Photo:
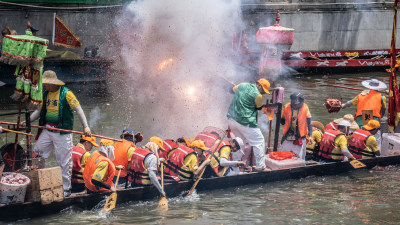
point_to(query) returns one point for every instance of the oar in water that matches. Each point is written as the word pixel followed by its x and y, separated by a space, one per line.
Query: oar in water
pixel 357 164
pixel 17 132
pixel 202 172
pixel 163 203
pixel 63 130
pixel 112 199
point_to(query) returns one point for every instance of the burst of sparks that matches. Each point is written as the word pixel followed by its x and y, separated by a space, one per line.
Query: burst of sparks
pixel 191 90
pixel 165 63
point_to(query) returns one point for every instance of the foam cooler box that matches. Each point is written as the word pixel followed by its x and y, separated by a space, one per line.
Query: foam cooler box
pixel 390 144
pixel 283 164
pixel 13 188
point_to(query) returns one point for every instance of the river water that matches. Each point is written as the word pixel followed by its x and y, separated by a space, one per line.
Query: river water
pixel 358 197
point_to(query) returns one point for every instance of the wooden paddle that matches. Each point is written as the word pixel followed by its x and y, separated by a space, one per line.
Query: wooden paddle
pixel 357 164
pixel 17 132
pixel 202 172
pixel 112 199
pixel 351 88
pixel 163 203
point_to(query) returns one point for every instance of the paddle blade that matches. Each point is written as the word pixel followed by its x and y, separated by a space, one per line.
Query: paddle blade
pixel 163 204
pixel 110 203
pixel 357 164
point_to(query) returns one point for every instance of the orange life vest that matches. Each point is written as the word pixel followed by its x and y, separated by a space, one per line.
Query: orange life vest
pixel 168 145
pixel 121 154
pixel 357 144
pixel 216 167
pixel 77 170
pixel 327 146
pixel 301 119
pixel 207 138
pixel 371 101
pixel 175 162
pixel 331 126
pixel 279 155
pixel 138 173
pixel 91 167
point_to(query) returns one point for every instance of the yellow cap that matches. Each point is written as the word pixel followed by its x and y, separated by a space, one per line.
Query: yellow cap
pixel 92 140
pixel 264 84
pixel 158 141
pixel 105 142
pixel 199 144
pixel 372 124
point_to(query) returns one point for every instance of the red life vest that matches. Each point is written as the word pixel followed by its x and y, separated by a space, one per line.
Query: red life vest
pixel 331 126
pixel 121 154
pixel 218 170
pixel 91 167
pixel 137 171
pixel 175 162
pixel 77 170
pixel 357 144
pixel 327 146
pixel 168 145
pixel 207 138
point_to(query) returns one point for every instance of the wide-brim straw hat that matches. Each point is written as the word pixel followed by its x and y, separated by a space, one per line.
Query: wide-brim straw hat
pixel 350 119
pixel 318 125
pixel 50 77
pixel 374 84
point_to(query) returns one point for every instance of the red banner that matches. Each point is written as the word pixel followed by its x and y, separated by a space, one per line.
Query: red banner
pixel 394 95
pixel 64 36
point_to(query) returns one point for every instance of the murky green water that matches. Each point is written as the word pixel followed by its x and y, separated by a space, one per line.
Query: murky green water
pixel 359 197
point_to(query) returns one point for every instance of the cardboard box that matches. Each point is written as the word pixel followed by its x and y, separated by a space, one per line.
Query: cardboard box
pixel 46 185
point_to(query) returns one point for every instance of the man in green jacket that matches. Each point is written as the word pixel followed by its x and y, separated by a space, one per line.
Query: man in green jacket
pixel 242 116
pixel 57 110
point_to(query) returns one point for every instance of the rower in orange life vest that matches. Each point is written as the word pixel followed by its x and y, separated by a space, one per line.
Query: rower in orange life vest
pixel 124 150
pixel 80 155
pixel 182 163
pixel 208 138
pixel 296 119
pixel 313 144
pixel 370 99
pixel 142 168
pixel 99 170
pixel 363 144
pixel 221 161
pixel 333 145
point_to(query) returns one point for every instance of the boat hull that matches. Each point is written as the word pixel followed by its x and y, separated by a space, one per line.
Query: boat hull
pixel 87 202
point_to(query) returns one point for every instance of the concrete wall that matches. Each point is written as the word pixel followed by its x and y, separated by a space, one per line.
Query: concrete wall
pixel 320 25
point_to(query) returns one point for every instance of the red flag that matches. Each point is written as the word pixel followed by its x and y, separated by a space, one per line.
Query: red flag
pixel 64 36
pixel 394 95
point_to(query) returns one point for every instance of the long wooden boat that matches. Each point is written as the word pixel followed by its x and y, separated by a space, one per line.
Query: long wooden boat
pixel 87 202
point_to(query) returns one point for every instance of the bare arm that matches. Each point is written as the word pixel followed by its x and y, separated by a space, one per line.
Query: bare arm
pixel 201 167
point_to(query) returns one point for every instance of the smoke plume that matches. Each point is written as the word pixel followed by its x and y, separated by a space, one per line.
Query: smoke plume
pixel 175 55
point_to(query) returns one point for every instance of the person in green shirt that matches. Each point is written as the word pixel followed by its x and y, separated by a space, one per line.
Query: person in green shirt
pixel 242 116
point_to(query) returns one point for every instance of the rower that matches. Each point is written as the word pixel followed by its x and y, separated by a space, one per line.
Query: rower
pixel 221 161
pixel 99 170
pixel 142 168
pixel 208 138
pixel 183 142
pixel 124 150
pixel 363 144
pixel 168 145
pixel 80 155
pixel 313 144
pixel 349 117
pixel 333 146
pixel 296 119
pixel 182 163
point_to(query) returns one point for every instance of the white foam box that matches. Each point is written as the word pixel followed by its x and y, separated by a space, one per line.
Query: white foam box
pixel 390 144
pixel 283 164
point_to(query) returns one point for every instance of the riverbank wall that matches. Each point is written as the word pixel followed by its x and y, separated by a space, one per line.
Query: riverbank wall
pixel 319 24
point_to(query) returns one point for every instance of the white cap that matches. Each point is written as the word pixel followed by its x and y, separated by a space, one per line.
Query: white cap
pixel 240 142
pixel 344 123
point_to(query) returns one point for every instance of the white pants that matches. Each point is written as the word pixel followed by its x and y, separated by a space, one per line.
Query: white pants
pixel 300 150
pixel 63 150
pixel 254 137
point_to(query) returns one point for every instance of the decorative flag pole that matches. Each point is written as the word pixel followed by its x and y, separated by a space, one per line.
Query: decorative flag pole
pixel 394 96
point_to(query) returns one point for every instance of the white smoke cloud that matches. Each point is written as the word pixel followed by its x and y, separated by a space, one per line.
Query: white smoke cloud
pixel 174 53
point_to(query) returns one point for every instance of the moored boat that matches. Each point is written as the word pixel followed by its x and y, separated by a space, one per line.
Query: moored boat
pixel 87 202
